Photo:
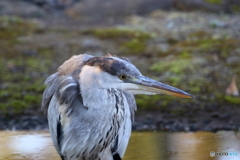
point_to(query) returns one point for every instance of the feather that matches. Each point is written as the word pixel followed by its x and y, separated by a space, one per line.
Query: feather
pixel 57 80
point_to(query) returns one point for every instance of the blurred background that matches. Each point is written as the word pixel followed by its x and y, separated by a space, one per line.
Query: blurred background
pixel 190 44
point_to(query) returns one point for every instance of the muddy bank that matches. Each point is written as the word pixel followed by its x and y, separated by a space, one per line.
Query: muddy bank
pixel 213 120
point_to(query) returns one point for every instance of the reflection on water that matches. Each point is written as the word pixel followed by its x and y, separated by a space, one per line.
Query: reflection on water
pixel 142 146
pixel 26 146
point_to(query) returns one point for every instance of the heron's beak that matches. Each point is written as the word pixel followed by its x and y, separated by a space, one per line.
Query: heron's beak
pixel 150 86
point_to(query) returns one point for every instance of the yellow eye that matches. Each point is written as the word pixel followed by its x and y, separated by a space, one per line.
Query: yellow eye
pixel 123 77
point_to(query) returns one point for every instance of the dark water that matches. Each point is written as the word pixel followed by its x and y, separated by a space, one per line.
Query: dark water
pixel 142 146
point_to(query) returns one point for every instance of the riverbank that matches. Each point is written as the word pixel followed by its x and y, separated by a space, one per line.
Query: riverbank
pixel 196 51
pixel 213 120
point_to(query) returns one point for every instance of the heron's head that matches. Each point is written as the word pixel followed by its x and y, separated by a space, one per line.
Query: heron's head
pixel 114 72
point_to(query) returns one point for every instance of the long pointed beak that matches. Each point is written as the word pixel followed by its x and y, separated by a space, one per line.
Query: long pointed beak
pixel 154 87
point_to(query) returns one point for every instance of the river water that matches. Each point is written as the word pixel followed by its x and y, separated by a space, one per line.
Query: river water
pixel 15 145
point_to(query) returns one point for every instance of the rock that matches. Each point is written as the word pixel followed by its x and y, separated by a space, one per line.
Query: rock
pixel 193 127
pixel 205 122
pixel 179 127
pixel 57 4
pixel 170 25
pixel 191 5
pixel 39 2
pixel 230 5
pixel 24 123
pixel 91 44
pixel 20 8
pixel 116 8
pixel 216 23
pixel 30 53
pixel 215 115
pixel 225 116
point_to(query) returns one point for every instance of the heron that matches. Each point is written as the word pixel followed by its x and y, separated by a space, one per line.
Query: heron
pixel 90 105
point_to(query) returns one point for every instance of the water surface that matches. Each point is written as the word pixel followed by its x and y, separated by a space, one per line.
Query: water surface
pixel 143 146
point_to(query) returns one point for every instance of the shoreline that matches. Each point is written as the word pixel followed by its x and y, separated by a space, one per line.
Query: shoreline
pixel 144 121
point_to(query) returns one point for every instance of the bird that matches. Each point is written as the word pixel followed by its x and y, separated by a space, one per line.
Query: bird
pixel 90 105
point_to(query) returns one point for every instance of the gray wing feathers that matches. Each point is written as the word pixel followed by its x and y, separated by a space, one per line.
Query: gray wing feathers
pixel 58 100
pixel 57 81
pixel 54 119
pixel 65 88
pixel 52 83
pixel 62 90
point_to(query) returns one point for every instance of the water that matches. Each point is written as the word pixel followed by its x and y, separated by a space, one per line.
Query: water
pixel 142 146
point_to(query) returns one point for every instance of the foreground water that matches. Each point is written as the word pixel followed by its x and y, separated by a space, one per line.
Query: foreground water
pixel 142 146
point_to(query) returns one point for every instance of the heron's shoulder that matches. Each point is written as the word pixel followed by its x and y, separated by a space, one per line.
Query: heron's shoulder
pixel 73 64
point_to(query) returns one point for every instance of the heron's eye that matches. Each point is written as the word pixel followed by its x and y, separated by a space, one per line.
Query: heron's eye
pixel 123 77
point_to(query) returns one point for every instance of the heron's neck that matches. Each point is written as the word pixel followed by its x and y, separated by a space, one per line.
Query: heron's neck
pixel 93 94
pixel 93 97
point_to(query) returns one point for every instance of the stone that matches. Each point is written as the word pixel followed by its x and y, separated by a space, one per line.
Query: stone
pixel 116 8
pixel 21 8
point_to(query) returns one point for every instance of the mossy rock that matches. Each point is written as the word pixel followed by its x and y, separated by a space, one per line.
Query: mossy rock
pixel 13 107
pixel 32 99
pixel 154 102
pixel 116 33
pixel 214 1
pixel 232 100
pixel 134 46
pixel 22 83
pixel 235 8
pixel 199 35
pixel 177 65
pixel 12 27
pixel 201 47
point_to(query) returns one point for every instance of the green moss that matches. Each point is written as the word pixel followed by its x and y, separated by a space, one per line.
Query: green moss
pixel 13 107
pixel 11 27
pixel 113 33
pixel 199 35
pixel 205 45
pixel 46 51
pixel 175 80
pixel 220 46
pixel 4 93
pixel 22 83
pixel 195 89
pixel 129 41
pixel 146 102
pixel 36 87
pixel 134 46
pixel 33 99
pixel 235 8
pixel 176 66
pixel 17 95
pixel 214 1
pixel 19 105
pixel 184 54
pixel 232 100
pixel 178 111
pixel 171 40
